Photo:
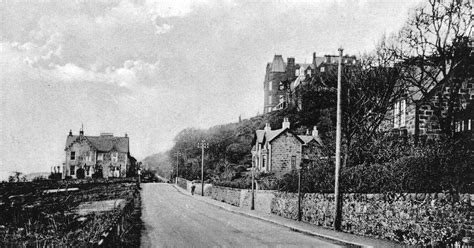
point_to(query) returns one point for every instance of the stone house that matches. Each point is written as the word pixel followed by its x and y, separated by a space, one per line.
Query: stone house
pixel 282 150
pixel 420 116
pixel 283 80
pixel 103 154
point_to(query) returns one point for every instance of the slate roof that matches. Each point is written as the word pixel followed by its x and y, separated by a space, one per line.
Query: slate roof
pixel 305 66
pixel 103 143
pixel 262 135
pixel 308 138
pixel 278 65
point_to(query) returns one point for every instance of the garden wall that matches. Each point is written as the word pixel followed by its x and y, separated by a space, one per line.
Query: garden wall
pixel 418 219
pixel 409 218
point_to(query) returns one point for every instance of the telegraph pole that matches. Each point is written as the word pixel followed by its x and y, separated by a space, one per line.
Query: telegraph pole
pixel 177 166
pixel 203 144
pixel 337 193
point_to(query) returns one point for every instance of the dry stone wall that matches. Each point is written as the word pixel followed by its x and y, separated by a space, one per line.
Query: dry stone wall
pixel 419 219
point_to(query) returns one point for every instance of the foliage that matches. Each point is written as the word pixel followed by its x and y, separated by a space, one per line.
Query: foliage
pixel 55 176
pixel 17 177
pixel 80 173
pixel 149 175
pixel 435 166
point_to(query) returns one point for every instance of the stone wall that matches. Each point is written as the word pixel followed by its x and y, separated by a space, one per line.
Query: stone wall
pixel 262 202
pixel 419 219
pixel 227 195
pixel 283 148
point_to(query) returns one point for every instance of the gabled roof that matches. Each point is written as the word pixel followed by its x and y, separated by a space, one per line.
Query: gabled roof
pixel 305 66
pixel 319 60
pixel 103 143
pixel 272 135
pixel 308 138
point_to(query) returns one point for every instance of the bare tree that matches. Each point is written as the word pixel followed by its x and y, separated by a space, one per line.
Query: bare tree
pixel 433 49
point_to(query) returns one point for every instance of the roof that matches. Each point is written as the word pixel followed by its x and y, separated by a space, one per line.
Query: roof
pixel 305 66
pixel 308 138
pixel 319 60
pixel 103 143
pixel 278 65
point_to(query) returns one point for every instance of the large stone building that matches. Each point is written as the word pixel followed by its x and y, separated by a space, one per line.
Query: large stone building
pixel 282 150
pixel 282 80
pixel 105 155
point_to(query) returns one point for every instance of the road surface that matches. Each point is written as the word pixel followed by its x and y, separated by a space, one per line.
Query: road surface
pixel 173 219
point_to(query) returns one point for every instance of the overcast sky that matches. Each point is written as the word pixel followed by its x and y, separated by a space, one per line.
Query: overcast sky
pixel 150 68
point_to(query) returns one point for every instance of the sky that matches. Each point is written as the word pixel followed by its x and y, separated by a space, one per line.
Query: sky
pixel 153 68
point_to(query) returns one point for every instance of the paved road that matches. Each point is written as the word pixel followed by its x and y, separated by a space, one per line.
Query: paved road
pixel 173 219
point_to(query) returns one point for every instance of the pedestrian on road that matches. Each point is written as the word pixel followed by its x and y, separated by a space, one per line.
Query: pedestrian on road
pixel 193 187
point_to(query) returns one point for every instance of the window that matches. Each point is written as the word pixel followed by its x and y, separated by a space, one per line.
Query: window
pixel 396 115
pixel 269 99
pixel 293 162
pixel 73 170
pixel 114 157
pixel 73 155
pixel 100 157
pixel 322 69
pixel 270 84
pixel 399 114
pixel 308 72
pixel 469 124
pixel 297 72
pixel 403 107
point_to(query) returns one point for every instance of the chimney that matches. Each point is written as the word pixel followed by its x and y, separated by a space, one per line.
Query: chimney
pixel 286 123
pixel 70 132
pixel 126 135
pixel 315 132
pixel 314 58
pixel 267 127
pixel 81 131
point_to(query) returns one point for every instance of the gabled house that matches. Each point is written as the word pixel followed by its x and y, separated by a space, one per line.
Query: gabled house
pixel 105 155
pixel 282 150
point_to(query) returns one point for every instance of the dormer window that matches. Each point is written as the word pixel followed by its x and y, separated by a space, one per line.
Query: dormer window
pixel 308 72
pixel 297 72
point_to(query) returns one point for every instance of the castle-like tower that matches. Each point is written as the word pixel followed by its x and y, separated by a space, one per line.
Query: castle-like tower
pixel 277 72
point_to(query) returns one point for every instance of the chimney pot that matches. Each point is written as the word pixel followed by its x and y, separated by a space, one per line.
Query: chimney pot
pixel 286 123
pixel 315 132
pixel 267 127
pixel 70 132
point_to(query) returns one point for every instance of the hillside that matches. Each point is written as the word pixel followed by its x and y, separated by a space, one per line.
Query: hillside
pixel 158 162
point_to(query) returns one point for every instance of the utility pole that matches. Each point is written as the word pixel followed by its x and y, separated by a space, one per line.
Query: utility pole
pixel 203 144
pixel 299 194
pixel 177 166
pixel 252 206
pixel 337 193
